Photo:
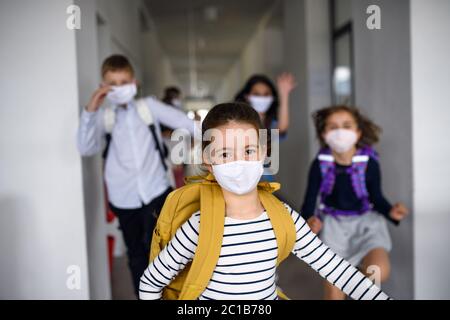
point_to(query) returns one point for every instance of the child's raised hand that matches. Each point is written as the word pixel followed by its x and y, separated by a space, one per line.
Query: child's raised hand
pixel 286 83
pixel 97 98
pixel 315 224
pixel 398 212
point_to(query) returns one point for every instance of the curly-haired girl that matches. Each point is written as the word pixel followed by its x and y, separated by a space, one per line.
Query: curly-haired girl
pixel 346 178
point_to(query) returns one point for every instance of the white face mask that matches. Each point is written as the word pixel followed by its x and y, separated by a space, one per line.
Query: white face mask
pixel 122 94
pixel 260 104
pixel 239 177
pixel 176 103
pixel 341 140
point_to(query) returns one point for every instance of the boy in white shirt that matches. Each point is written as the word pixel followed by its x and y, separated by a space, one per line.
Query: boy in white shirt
pixel 135 171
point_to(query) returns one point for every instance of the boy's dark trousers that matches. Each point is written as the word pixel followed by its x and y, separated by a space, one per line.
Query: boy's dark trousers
pixel 137 228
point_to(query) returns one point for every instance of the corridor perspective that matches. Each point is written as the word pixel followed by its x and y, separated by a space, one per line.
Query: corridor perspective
pixel 66 213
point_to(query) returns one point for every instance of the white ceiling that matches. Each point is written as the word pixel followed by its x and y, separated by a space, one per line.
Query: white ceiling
pixel 218 43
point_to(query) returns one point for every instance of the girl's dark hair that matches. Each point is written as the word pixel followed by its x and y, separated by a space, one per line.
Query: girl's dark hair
pixel 170 93
pixel 223 113
pixel 370 132
pixel 271 113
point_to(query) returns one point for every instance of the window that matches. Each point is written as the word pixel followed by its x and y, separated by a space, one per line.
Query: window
pixel 342 52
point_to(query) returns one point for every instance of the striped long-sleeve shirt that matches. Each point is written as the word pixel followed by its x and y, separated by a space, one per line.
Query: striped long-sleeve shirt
pixel 247 263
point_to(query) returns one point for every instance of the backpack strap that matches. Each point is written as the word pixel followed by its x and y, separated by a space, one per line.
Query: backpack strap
pixel 212 228
pixel 282 223
pixel 327 169
pixel 209 242
pixel 146 116
pixel 109 119
pixel 179 206
pixel 370 152
pixel 358 175
pixel 144 112
pixel 357 172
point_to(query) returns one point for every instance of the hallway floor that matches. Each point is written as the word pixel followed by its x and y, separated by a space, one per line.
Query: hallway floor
pixel 121 286
pixel 297 280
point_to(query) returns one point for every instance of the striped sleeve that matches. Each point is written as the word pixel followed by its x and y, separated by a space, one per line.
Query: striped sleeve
pixel 309 248
pixel 171 260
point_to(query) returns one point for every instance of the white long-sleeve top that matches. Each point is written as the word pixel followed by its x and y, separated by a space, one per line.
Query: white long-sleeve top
pixel 247 262
pixel 134 173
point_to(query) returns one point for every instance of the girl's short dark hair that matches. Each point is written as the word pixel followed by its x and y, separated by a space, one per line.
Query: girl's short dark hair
pixel 271 113
pixel 370 132
pixel 117 62
pixel 223 113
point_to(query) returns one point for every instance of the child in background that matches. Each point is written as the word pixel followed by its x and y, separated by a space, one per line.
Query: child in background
pixel 271 104
pixel 346 178
pixel 246 267
pixel 172 97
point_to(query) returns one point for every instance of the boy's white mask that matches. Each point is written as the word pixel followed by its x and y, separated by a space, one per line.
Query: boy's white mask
pixel 122 94
pixel 260 104
pixel 177 103
pixel 239 177
pixel 341 140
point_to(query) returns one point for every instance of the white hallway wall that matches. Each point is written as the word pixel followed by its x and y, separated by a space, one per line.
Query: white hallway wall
pixel 430 73
pixel 42 223
pixel 383 92
pixel 263 54
pixel 307 56
pixel 402 83
pixel 158 73
pixel 51 201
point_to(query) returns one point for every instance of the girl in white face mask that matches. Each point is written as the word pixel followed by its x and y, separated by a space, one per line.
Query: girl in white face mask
pixel 246 265
pixel 271 103
pixel 346 177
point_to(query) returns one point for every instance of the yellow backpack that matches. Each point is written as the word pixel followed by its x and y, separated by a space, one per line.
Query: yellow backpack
pixel 206 195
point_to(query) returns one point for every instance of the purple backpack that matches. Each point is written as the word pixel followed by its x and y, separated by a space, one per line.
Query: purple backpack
pixel 357 172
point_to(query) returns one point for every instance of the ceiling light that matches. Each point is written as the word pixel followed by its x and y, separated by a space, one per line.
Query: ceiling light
pixel 211 13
